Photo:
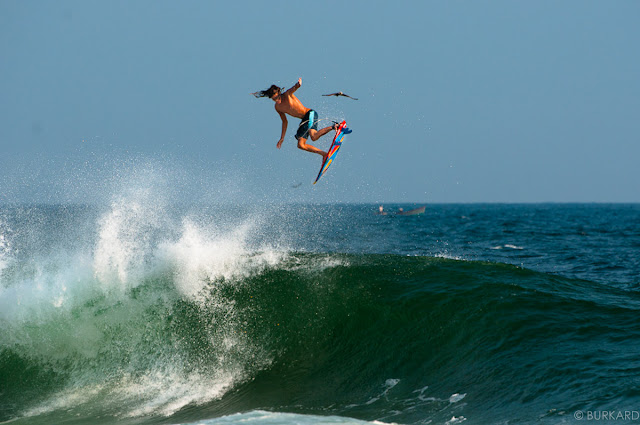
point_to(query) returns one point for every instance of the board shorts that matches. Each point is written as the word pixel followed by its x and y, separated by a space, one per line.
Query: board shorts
pixel 309 121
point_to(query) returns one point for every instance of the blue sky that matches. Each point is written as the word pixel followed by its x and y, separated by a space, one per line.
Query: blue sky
pixel 496 101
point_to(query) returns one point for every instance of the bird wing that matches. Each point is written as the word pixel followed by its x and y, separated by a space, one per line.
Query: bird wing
pixel 340 94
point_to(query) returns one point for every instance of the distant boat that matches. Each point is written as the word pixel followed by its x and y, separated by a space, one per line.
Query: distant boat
pixel 415 211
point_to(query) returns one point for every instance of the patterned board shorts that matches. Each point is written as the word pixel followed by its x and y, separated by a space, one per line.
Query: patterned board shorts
pixel 309 121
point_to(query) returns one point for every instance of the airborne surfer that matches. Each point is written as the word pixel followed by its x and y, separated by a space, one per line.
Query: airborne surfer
pixel 288 104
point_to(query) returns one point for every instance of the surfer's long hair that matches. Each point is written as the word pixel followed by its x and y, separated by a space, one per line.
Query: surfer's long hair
pixel 268 92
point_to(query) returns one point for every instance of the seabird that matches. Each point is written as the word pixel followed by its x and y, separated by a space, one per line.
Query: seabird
pixel 340 94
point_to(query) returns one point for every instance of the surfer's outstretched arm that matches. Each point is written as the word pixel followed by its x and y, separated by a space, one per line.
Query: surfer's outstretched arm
pixel 295 87
pixel 284 129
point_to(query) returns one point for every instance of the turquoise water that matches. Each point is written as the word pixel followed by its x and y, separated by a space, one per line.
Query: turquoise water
pixel 318 314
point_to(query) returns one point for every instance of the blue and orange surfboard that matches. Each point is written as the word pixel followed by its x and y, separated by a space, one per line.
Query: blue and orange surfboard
pixel 333 149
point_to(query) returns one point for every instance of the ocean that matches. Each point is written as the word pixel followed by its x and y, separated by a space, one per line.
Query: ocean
pixel 143 313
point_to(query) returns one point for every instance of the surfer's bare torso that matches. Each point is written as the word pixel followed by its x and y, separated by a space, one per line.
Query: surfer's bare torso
pixel 288 103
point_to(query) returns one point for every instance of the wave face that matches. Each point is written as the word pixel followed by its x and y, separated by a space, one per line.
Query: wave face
pixel 135 315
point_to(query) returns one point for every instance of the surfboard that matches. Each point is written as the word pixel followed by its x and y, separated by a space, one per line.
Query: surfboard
pixel 333 149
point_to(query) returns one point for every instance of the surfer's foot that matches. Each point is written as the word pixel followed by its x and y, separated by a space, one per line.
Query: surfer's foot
pixel 335 126
pixel 324 156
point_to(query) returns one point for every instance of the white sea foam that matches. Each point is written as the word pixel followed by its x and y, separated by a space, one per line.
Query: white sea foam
pixel 66 399
pixel 200 258
pixel 166 392
pixel 5 247
pixel 126 234
pixel 279 418
pixel 509 246
pixel 449 256
pixel 82 306
pixel 456 397
pixel 4 252
pixel 388 386
pixel 47 286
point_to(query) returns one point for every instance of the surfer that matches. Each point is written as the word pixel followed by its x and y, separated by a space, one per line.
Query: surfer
pixel 288 104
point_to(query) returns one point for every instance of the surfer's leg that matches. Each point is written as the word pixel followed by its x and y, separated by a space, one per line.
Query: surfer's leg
pixel 302 144
pixel 315 135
